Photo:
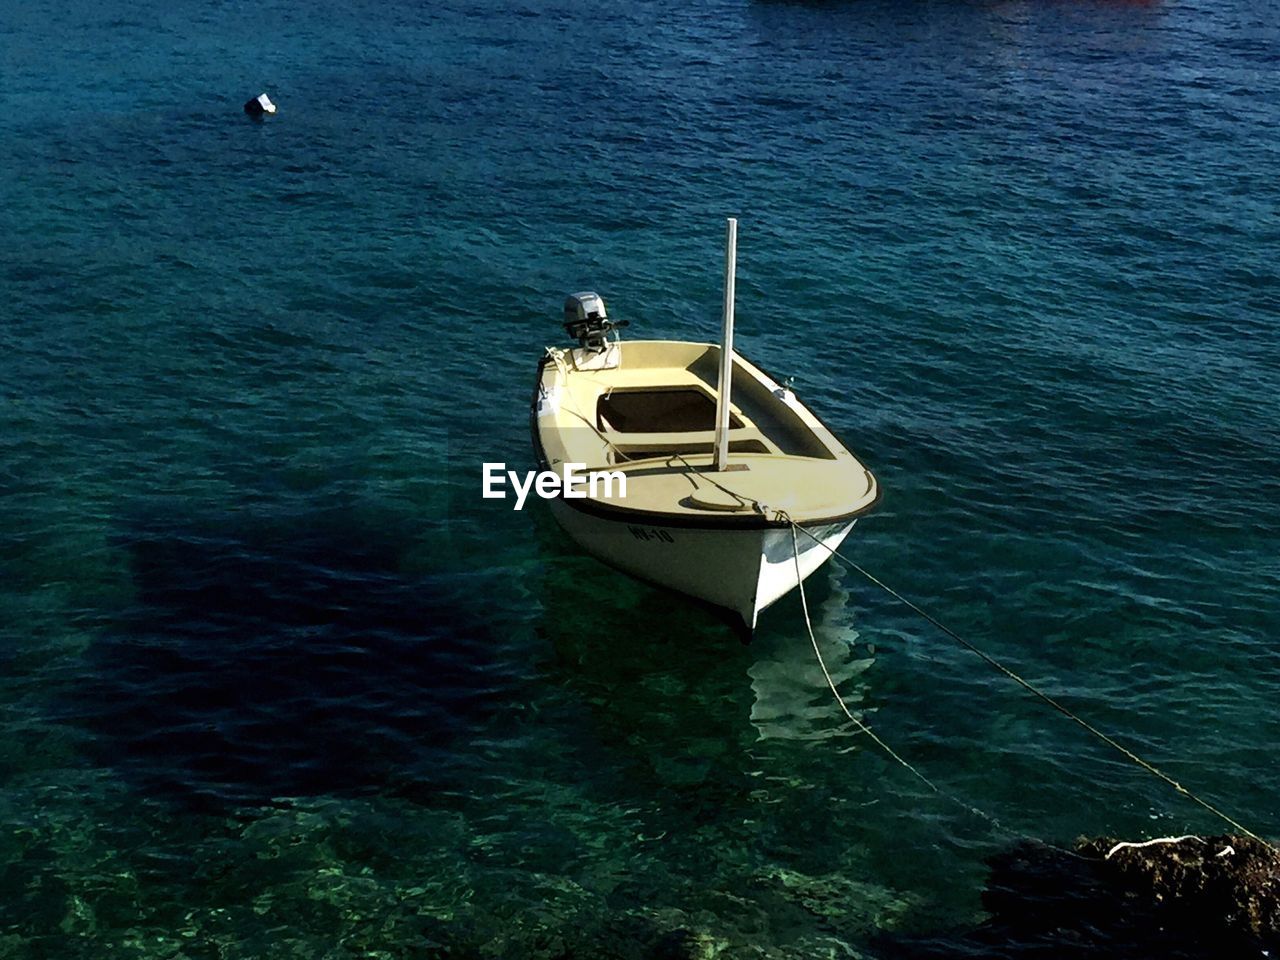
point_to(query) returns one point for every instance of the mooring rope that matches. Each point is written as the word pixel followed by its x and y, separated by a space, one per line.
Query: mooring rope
pixel 804 602
pixel 557 357
pixel 862 727
pixel 992 661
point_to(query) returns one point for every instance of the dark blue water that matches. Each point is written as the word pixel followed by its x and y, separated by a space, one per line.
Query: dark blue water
pixel 276 681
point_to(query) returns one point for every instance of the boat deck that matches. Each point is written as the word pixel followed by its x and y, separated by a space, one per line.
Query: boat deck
pixel 652 417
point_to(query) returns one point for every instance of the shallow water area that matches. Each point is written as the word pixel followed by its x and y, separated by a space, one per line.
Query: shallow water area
pixel 277 681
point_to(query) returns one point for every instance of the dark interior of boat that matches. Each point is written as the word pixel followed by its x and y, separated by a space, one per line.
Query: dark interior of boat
pixel 659 410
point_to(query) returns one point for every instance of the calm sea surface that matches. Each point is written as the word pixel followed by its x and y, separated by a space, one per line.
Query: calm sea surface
pixel 275 681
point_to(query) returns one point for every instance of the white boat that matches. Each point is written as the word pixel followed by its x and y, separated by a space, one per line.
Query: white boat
pixel 717 467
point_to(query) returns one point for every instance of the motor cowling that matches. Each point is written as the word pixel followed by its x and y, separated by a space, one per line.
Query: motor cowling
pixel 586 320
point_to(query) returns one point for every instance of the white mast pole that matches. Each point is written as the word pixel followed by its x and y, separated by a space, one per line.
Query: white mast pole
pixel 726 347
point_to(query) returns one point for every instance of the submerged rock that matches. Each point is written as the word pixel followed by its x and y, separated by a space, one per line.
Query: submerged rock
pixel 1184 897
pixel 1227 882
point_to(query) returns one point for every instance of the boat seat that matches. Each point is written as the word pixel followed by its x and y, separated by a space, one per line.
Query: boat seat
pixel 646 446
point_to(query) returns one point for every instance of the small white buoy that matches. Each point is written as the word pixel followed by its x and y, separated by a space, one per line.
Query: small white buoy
pixel 259 105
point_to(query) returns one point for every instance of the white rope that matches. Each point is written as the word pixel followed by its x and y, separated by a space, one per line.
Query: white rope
pixel 1105 738
pixel 862 727
pixel 557 357
pixel 1127 845
pixel 804 602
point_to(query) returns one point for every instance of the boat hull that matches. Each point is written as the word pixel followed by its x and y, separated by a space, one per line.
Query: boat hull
pixel 740 570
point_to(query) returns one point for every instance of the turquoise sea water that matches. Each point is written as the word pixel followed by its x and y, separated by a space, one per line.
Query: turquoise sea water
pixel 277 682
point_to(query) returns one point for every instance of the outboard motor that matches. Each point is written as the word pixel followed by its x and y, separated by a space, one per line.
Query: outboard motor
pixel 585 319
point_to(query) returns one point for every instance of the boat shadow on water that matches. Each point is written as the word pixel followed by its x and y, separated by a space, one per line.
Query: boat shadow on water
pixel 263 659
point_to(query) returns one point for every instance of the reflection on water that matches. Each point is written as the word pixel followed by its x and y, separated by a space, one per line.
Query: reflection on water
pixel 792 699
